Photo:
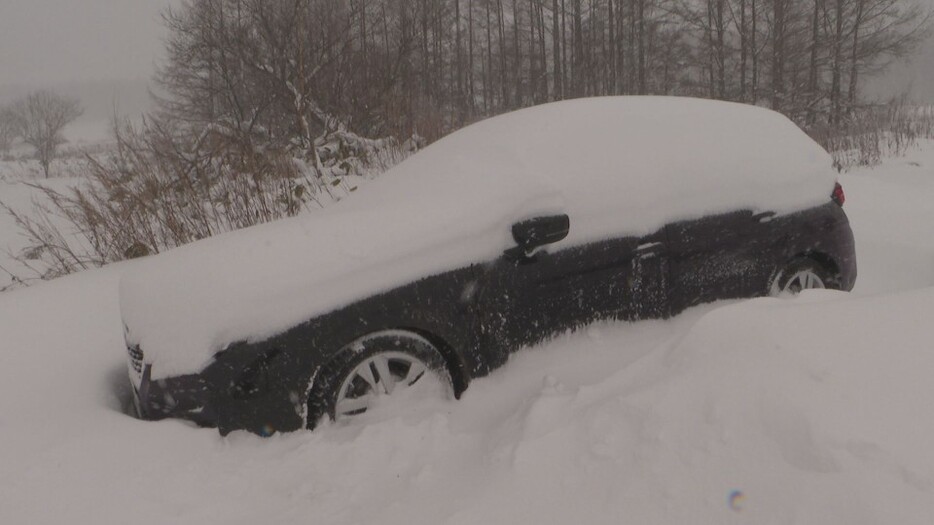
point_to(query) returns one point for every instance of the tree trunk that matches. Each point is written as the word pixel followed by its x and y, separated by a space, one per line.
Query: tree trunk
pixel 854 54
pixel 743 52
pixel 566 89
pixel 577 64
pixel 641 37
pixel 503 79
pixel 533 55
pixel 542 45
pixel 711 51
pixel 488 77
pixel 517 60
pixel 778 54
pixel 611 15
pixel 405 52
pixel 755 52
pixel 470 80
pixel 364 39
pixel 836 64
pixel 812 66
pixel 556 52
pixel 426 56
pixel 458 64
pixel 621 36
pixel 721 54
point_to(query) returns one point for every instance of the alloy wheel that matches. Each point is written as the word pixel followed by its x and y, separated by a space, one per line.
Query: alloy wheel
pixel 805 279
pixel 385 374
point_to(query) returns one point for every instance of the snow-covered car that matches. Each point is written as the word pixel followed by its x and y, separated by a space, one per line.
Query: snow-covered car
pixel 496 237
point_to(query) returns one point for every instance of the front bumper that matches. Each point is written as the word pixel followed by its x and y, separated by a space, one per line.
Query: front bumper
pixel 184 397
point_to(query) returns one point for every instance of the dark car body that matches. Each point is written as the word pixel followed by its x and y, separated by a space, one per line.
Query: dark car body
pixel 478 314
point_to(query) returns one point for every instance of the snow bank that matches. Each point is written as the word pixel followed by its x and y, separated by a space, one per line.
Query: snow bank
pixel 623 164
pixel 768 411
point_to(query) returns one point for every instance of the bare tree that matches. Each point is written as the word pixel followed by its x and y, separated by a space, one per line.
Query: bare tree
pixel 39 119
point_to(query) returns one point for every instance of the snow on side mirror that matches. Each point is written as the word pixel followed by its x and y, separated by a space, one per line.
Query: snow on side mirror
pixel 540 231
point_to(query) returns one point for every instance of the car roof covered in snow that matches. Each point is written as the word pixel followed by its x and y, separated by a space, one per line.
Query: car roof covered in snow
pixel 615 165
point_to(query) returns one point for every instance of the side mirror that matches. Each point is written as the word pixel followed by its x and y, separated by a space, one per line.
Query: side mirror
pixel 540 231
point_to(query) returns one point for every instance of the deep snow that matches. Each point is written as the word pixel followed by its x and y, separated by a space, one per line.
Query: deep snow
pixel 807 410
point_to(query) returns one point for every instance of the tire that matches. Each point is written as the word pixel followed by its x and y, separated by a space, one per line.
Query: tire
pixel 380 365
pixel 801 274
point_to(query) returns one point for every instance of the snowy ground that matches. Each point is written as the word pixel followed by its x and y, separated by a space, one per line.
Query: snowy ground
pixel 808 410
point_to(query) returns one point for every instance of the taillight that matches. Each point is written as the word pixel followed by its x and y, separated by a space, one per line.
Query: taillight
pixel 838 196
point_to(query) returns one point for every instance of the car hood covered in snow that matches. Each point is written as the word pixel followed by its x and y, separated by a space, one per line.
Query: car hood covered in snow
pixel 614 165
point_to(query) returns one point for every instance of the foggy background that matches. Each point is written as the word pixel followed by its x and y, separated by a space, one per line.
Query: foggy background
pixel 104 52
pixel 100 51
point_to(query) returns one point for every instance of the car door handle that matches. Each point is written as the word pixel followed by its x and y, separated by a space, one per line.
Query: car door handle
pixel 765 216
pixel 649 249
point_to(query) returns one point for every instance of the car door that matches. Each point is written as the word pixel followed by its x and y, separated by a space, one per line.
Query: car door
pixel 526 300
pixel 714 257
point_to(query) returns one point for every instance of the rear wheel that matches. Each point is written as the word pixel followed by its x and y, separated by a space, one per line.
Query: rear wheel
pixel 801 274
pixel 377 369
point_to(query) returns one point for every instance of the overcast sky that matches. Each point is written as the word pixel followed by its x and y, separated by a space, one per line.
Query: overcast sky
pixel 45 42
pixel 53 42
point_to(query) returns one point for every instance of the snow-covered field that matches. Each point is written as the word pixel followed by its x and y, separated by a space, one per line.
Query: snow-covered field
pixel 808 410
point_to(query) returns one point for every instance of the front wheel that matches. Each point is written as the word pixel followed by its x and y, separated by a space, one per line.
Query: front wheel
pixel 378 369
pixel 800 274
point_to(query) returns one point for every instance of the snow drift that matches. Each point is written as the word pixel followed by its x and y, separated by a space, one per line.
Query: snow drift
pixel 812 410
pixel 614 165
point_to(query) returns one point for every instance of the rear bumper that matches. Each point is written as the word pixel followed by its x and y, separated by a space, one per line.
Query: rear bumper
pixel 184 397
pixel 847 273
pixel 845 252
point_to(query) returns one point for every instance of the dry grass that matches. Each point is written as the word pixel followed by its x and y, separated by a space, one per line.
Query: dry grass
pixel 157 191
pixel 876 132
